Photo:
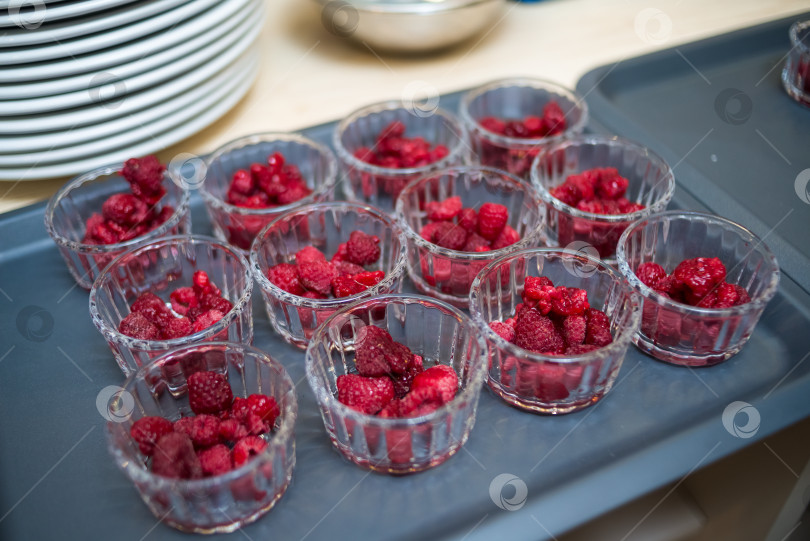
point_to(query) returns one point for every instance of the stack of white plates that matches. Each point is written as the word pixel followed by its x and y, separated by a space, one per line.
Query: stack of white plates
pixel 84 83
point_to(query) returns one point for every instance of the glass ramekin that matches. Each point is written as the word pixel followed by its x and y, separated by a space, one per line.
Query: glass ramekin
pixel 796 73
pixel 430 328
pixel 514 99
pixel 324 226
pixel 239 225
pixel 551 384
pixel 688 335
pixel 651 183
pixel 447 274
pixel 224 502
pixel 161 267
pixel 380 186
pixel 68 210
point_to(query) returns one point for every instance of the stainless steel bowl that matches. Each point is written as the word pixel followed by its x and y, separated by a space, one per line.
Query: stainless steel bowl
pixel 408 25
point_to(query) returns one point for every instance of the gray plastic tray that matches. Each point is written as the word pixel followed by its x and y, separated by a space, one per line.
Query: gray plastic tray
pixel 658 424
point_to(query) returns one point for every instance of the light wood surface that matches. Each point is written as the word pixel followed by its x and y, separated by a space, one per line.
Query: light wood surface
pixel 309 76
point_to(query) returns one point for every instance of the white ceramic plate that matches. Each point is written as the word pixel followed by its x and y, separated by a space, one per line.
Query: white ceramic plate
pixel 104 40
pixel 186 125
pixel 95 22
pixel 84 81
pixel 86 96
pixel 125 53
pixel 22 150
pixel 44 12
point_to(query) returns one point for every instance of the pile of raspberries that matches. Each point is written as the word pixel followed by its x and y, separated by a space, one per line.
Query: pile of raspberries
pixel 267 186
pixel 452 226
pixel 700 281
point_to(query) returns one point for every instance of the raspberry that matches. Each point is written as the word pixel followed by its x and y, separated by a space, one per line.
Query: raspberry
pixel 699 276
pixel 569 301
pixel 205 430
pixel 585 185
pixel 182 299
pixel 598 329
pixel 536 332
pixel 725 295
pixel 392 410
pixel 574 329
pixel 567 193
pixel 599 191
pixel 216 460
pixel 580 349
pixel 345 268
pixel 209 392
pixel 550 385
pixel 125 209
pixel 364 394
pixel 247 448
pixel 651 273
pixel 240 409
pixel 371 345
pixel 428 230
pixel 137 326
pixel 310 254
pixel 293 193
pixel 402 382
pixel 443 210
pixel 468 219
pixel 202 284
pixel 553 121
pixel 611 185
pixel 421 401
pixel 147 430
pixel 255 425
pixel 507 237
pixel 145 177
pixel 265 407
pixel 184 425
pixel 475 242
pixel 441 378
pixel 232 430
pixel 449 235
pixel 242 183
pixel 153 308
pixel 363 249
pixel 369 278
pixel 507 332
pixel 342 253
pixel 343 286
pixel 317 276
pixel 398 357
pixel 206 320
pixel 177 327
pixel 174 457
pixel 285 276
pixel 215 302
pixel 492 218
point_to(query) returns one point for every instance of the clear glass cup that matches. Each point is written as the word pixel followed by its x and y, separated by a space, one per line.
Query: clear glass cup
pixel 221 503
pixel 380 186
pixel 796 73
pixel 439 333
pixel 688 335
pixel 551 384
pixel 161 267
pixel 447 274
pixel 651 183
pixel 68 210
pixel 514 99
pixel 324 226
pixel 239 225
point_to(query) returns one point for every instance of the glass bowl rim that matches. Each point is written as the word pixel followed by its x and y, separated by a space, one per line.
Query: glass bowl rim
pixel 795 28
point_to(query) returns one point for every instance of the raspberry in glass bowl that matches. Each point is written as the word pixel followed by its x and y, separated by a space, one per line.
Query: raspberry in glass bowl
pixel 734 264
pixel 230 458
pixel 595 186
pixel 421 408
pixel 251 181
pixel 384 146
pixel 169 293
pixel 509 120
pixel 105 212
pixel 558 324
pixel 319 258
pixel 486 213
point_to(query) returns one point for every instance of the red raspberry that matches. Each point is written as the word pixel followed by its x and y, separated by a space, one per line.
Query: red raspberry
pixel 725 295
pixel 507 332
pixel 216 460
pixel 124 209
pixel 371 345
pixel 402 382
pixel 440 377
pixel 598 330
pixel 611 185
pixel 468 219
pixel 215 302
pixel 698 276
pixel 206 320
pixel 254 424
pixel 492 218
pixel 232 430
pixel 584 183
pixel 596 206
pixel 392 410
pixel 174 457
pixel 247 448
pixel 580 349
pixel 428 230
pixel 317 276
pixel 569 301
pixel 184 425
pixel 550 384
pixel 475 242
pixel 153 308
pixel 240 409
pixel 182 299
pixel 145 177
pixel 398 357
pixel 574 329
pixel 449 235
pixel 421 401
pixel 137 326
pixel 205 430
pixel 285 276
pixel 507 237
pixel 443 210
pixel 651 273
pixel 536 332
pixel 369 278
pixel 538 293
pixel 343 286
pixel 345 268
pixel 265 407
pixel 363 249
pixel 177 327
pixel 293 193
pixel 554 122
pixel 567 193
pixel 202 284
pixel 342 253
pixel 364 394
pixel 242 183
pixel 626 206
pixel 147 430
pixel 310 254
pixel 209 392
